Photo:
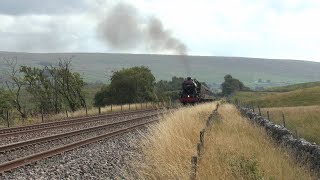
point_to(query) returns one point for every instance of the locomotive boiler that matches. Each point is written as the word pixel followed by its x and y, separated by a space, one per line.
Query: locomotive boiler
pixel 194 92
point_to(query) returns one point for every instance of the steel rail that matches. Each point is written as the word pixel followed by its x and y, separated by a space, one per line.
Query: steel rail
pixel 39 127
pixel 20 145
pixel 38 156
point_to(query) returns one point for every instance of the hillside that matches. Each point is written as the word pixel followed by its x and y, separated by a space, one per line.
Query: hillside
pixel 98 67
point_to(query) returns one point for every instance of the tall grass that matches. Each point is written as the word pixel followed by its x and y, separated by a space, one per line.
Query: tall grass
pixel 15 119
pixel 303 119
pixel 234 149
pixel 171 143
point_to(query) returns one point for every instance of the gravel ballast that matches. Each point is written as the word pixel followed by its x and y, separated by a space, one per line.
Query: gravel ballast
pixel 32 135
pixel 107 159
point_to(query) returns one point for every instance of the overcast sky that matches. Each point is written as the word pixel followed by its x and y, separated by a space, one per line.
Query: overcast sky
pixel 287 29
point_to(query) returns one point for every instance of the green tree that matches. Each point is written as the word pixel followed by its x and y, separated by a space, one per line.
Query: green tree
pixel 128 85
pixel 231 85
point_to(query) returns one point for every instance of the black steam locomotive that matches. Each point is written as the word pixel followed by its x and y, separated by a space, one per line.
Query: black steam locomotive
pixel 194 92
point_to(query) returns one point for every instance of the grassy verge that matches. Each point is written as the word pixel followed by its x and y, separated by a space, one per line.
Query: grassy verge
pixel 171 143
pixel 15 119
pixel 303 119
pixel 234 149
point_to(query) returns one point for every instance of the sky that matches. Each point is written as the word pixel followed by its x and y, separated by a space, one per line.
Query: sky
pixel 286 29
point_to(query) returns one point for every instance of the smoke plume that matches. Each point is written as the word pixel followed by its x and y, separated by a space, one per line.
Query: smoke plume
pixel 125 29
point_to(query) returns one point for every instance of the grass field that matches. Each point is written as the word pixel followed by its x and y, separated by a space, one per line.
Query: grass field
pixel 294 87
pixel 234 149
pixel 303 119
pixel 300 105
pixel 300 97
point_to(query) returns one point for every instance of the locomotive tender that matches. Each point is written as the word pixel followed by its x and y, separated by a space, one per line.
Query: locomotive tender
pixel 194 92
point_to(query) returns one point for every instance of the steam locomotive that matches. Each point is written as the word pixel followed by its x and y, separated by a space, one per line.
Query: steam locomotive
pixel 194 92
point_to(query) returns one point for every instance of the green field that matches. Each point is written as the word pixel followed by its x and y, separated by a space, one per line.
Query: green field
pixel 299 103
pixel 300 97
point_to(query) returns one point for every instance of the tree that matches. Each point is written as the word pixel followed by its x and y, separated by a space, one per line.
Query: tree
pixel 14 83
pixel 67 85
pixel 169 90
pixel 128 85
pixel 231 85
pixel 5 103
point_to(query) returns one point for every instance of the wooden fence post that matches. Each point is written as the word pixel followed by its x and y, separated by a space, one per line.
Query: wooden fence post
pixel 202 137
pixel 99 110
pixel 199 147
pixel 41 115
pixel 8 123
pixel 67 113
pixel 283 120
pixel 86 111
pixel 268 115
pixel 111 107
pixel 121 107
pixel 194 161
pixel 259 110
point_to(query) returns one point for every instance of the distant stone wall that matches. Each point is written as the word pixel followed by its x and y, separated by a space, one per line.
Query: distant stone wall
pixel 304 150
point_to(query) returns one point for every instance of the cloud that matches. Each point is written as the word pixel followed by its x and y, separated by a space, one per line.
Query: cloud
pixel 18 7
pixel 266 28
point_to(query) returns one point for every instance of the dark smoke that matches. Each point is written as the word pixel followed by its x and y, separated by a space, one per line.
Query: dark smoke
pixel 124 29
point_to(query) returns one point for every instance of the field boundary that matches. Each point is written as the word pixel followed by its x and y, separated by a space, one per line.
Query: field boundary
pixel 200 146
pixel 305 151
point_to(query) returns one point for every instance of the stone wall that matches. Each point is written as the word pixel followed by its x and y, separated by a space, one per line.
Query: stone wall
pixel 304 150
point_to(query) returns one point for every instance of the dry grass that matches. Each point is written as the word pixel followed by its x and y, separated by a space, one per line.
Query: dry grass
pixel 303 119
pixel 16 119
pixel 234 149
pixel 171 143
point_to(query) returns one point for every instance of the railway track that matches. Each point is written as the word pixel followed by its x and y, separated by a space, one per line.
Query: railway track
pixel 81 136
pixel 5 132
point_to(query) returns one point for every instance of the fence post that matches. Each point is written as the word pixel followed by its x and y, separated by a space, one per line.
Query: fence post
pixel 67 113
pixel 86 111
pixel 259 111
pixel 121 107
pixel 41 115
pixel 99 110
pixel 283 120
pixel 8 119
pixel 202 137
pixel 111 107
pixel 268 115
pixel 199 147
pixel 194 161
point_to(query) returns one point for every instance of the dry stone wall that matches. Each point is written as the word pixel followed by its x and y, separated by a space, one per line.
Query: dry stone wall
pixel 304 150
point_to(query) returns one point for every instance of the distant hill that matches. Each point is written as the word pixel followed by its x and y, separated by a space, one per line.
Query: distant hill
pixel 99 66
